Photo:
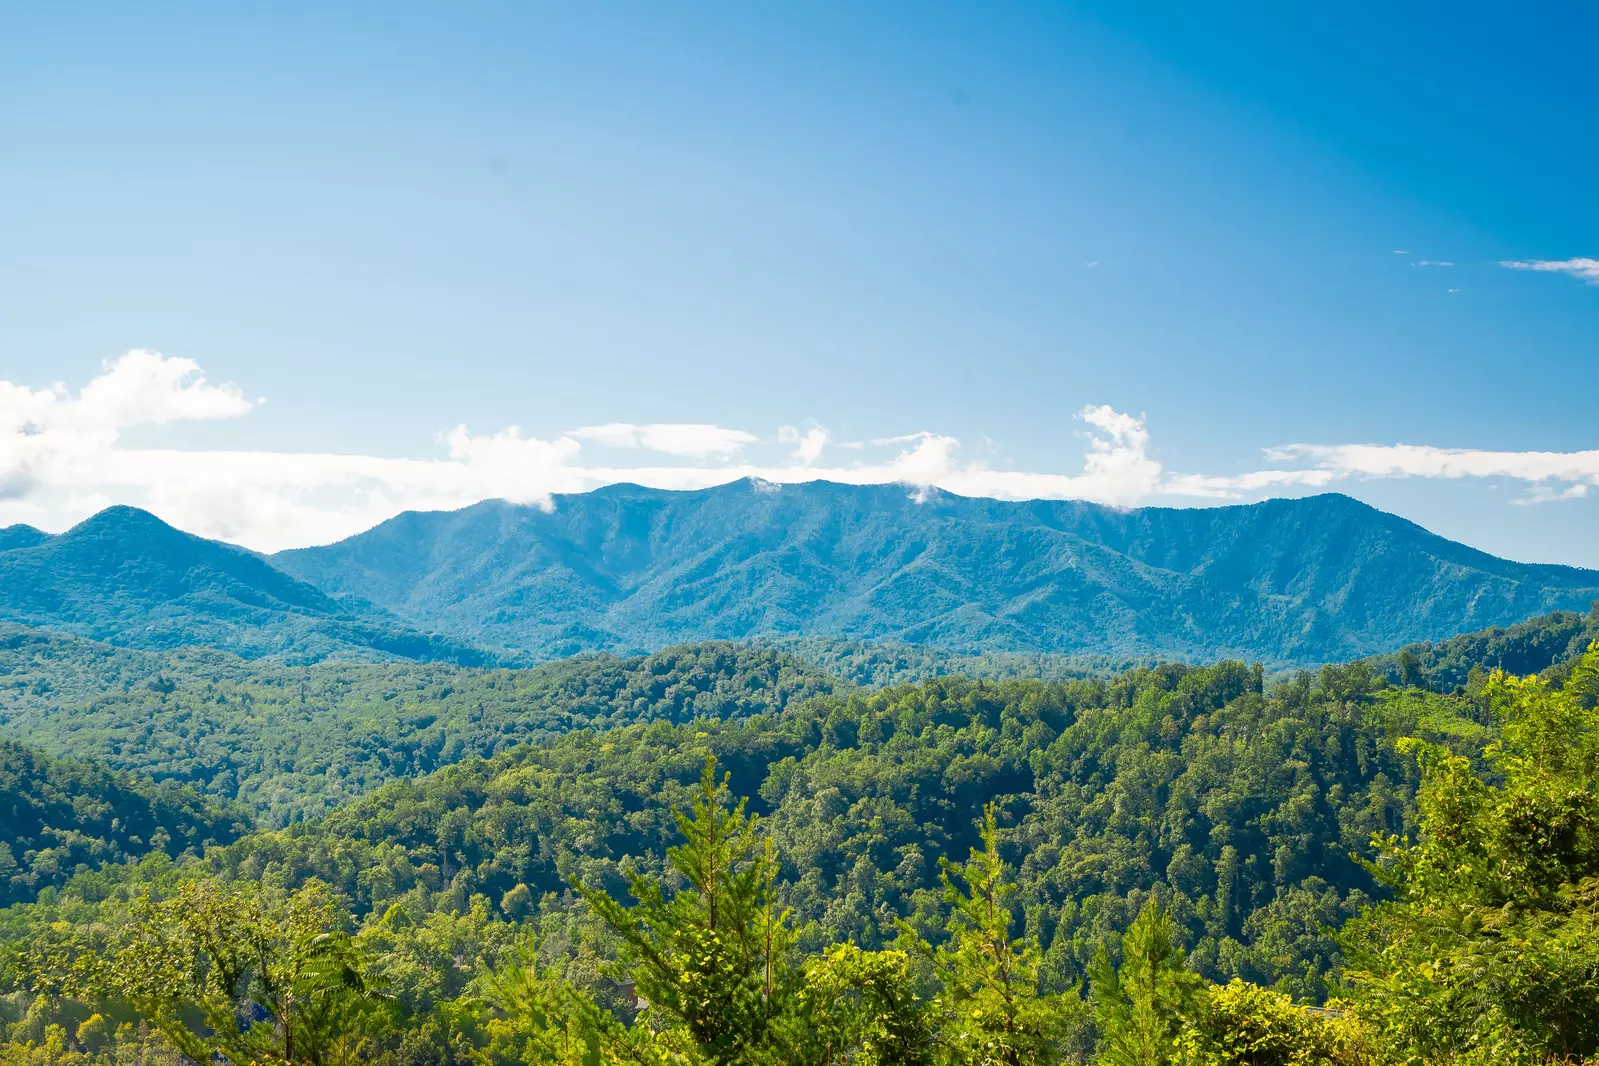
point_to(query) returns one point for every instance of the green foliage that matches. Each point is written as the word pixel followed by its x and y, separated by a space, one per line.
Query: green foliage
pixel 861 1007
pixel 59 818
pixel 1490 953
pixel 1240 1024
pixel 713 960
pixel 543 1019
pixel 268 981
pixel 713 966
pixel 879 664
pixel 482 899
pixel 91 1045
pixel 1550 643
pixel 1141 1005
pixel 1242 808
pixel 291 743
pixel 991 1010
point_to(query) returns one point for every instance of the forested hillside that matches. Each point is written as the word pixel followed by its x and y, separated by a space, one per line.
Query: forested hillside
pixel 1194 804
pixel 1245 805
pixel 876 663
pixel 1179 799
pixel 1285 582
pixel 126 577
pixel 1549 645
pixel 292 742
pixel 59 818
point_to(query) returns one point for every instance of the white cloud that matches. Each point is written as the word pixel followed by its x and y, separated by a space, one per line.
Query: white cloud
pixel 48 431
pixel 1432 263
pixel 692 440
pixel 1546 494
pixel 61 459
pixel 1550 475
pixel 807 445
pixel 1414 460
pixel 1581 268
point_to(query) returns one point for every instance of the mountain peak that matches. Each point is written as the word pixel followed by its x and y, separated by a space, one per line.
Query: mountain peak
pixel 21 536
pixel 123 521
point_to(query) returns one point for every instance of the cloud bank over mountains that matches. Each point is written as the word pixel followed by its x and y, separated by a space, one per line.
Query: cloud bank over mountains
pixel 62 458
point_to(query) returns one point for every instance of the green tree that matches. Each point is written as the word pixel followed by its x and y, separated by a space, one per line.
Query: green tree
pixel 990 1009
pixel 1490 951
pixel 545 1020
pixel 268 983
pixel 1240 1024
pixel 859 1007
pixel 715 971
pixel 713 961
pixel 1141 1006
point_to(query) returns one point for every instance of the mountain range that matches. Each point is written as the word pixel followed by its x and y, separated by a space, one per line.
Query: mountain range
pixel 627 568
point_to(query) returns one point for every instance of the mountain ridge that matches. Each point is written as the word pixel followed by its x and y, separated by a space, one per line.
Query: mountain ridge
pixel 1313 579
pixel 125 576
pixel 628 569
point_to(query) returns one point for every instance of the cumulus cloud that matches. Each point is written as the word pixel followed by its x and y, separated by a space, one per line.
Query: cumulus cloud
pixel 51 432
pixel 62 458
pixel 1583 269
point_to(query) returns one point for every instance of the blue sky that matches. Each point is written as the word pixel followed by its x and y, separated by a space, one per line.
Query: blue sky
pixel 948 229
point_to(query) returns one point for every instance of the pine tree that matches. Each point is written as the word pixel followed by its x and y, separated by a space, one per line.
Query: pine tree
pixel 990 1010
pixel 1140 1007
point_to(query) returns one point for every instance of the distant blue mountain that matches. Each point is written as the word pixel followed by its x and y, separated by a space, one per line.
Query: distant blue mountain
pixel 21 537
pixel 1286 581
pixel 126 577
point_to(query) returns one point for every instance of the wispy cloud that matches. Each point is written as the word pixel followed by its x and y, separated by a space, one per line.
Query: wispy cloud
pixel 1432 263
pixel 1549 475
pixel 1581 268
pixel 62 457
pixel 808 445
pixel 1416 460
pixel 1549 494
pixel 690 439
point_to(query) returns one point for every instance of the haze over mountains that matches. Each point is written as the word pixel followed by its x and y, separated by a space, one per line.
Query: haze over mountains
pixel 1287 581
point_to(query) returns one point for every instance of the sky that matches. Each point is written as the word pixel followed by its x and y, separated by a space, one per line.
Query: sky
pixel 278 272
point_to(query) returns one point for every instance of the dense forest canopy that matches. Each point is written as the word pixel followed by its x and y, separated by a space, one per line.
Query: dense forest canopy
pixel 1210 828
pixel 292 742
pixel 1548 645
pixel 700 944
pixel 59 818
